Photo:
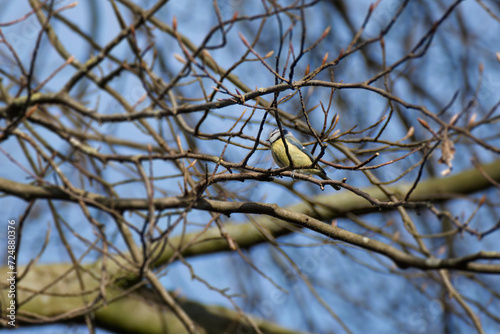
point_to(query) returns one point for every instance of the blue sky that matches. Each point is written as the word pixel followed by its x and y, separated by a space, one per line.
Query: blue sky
pixel 343 266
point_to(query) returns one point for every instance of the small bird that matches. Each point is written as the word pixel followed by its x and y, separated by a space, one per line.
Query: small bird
pixel 300 156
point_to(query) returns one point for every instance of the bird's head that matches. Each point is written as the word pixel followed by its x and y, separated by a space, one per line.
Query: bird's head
pixel 275 135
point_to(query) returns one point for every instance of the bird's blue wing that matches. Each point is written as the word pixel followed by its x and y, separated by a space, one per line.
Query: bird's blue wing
pixel 292 140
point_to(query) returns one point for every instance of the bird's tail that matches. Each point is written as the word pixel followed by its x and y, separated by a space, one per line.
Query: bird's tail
pixel 325 177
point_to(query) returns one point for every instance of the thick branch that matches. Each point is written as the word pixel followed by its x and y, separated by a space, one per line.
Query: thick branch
pixel 302 215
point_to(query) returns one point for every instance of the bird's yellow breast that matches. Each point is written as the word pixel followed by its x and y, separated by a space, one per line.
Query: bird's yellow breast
pixel 299 158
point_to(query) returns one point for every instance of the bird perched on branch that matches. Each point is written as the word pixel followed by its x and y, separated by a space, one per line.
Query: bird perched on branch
pixel 300 156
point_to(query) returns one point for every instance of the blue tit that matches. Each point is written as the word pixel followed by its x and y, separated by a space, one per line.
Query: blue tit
pixel 300 156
